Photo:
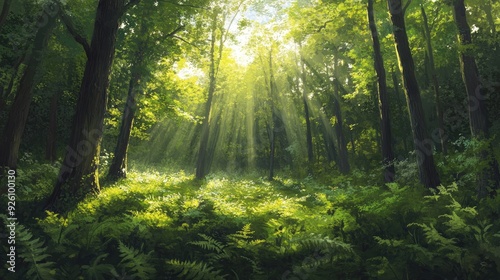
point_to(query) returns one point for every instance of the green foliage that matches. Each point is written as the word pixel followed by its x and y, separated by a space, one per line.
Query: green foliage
pixel 99 271
pixel 192 270
pixel 137 264
pixel 34 255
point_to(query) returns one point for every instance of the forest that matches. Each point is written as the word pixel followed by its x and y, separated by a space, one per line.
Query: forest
pixel 249 139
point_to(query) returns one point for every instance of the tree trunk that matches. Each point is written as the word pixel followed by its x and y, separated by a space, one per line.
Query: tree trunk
pixel 383 101
pixel 201 165
pixel 310 156
pixel 423 144
pixel 78 175
pixel 274 117
pixel 118 167
pixel 478 116
pixel 5 12
pixel 400 103
pixel 18 114
pixel 51 147
pixel 488 8
pixel 344 166
pixel 435 82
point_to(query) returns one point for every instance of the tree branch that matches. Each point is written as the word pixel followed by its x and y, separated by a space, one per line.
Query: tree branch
pixel 185 41
pixel 406 6
pixel 324 25
pixel 74 33
pixel 175 31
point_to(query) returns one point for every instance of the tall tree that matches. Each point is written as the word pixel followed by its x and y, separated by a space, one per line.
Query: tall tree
pixel 434 80
pixel 423 145
pixel 478 115
pixel 310 156
pixel 223 16
pixel 145 51
pixel 383 101
pixel 79 175
pixel 18 114
pixel 344 165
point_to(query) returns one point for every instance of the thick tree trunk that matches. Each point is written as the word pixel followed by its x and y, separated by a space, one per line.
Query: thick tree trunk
pixel 423 144
pixel 344 166
pixel 383 101
pixel 118 167
pixel 79 172
pixel 435 82
pixel 201 165
pixel 19 110
pixel 310 156
pixel 478 116
pixel 51 146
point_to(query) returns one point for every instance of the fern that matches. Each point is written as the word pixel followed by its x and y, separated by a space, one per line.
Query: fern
pixel 97 271
pixel 195 270
pixel 325 244
pixel 33 252
pixel 136 262
pixel 209 243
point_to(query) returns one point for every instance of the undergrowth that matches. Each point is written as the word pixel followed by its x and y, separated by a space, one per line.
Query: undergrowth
pixel 158 226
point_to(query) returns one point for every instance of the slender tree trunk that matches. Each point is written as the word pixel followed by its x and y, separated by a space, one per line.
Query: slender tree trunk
pixel 310 156
pixel 201 166
pixel 118 167
pixel 401 104
pixel 51 148
pixel 435 81
pixel 19 110
pixel 79 172
pixel 329 143
pixel 344 166
pixel 423 144
pixel 274 117
pixel 5 12
pixel 488 8
pixel 383 101
pixel 478 116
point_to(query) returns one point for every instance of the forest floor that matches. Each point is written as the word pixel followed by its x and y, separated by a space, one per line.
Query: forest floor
pixel 171 226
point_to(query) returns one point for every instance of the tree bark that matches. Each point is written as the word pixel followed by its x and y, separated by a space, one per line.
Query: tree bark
pixel 78 175
pixel 5 12
pixel 201 165
pixel 383 101
pixel 435 82
pixel 51 147
pixel 478 115
pixel 423 144
pixel 118 167
pixel 18 114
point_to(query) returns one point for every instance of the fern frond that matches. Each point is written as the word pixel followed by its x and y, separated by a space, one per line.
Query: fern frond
pixel 209 243
pixel 318 242
pixel 33 252
pixel 99 271
pixel 136 262
pixel 195 270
